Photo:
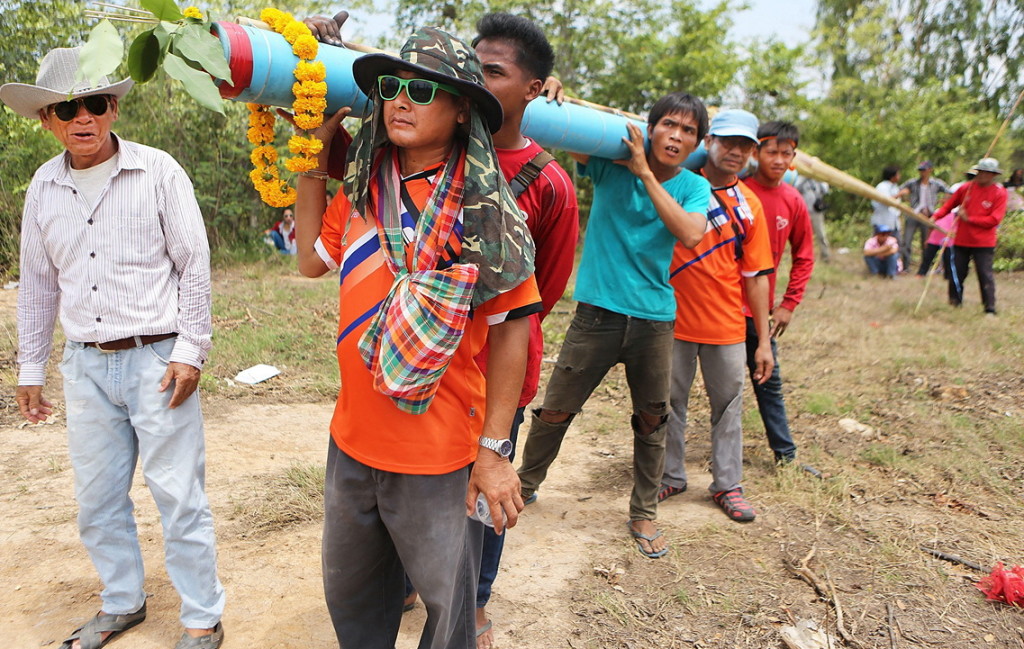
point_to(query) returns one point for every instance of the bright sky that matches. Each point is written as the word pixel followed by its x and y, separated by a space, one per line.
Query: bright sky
pixel 789 21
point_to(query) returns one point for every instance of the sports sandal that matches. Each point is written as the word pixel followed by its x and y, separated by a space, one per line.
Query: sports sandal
pixel 650 539
pixel 211 641
pixel 667 491
pixel 735 505
pixel 409 602
pixel 90 634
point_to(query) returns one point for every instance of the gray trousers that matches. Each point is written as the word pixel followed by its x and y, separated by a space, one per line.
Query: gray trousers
pixel 722 367
pixel 820 235
pixel 375 524
pixel 912 229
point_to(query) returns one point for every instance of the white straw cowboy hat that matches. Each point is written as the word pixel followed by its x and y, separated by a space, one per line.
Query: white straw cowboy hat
pixel 56 83
pixel 988 164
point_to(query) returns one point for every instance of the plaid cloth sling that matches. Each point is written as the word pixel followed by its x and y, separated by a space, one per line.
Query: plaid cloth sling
pixel 414 335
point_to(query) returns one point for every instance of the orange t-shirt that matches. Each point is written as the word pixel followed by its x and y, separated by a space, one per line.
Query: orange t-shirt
pixel 366 424
pixel 708 279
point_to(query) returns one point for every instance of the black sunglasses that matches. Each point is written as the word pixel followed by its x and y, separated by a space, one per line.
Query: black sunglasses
pixel 419 91
pixel 67 110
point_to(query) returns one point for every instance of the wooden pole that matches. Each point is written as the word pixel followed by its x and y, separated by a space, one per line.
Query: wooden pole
pixel 808 165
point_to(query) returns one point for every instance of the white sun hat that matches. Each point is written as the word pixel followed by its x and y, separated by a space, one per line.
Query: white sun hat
pixel 990 165
pixel 56 83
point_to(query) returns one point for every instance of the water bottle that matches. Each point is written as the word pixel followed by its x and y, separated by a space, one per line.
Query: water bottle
pixel 482 512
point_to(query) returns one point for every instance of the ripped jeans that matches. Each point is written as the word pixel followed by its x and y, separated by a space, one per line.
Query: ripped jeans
pixel 597 340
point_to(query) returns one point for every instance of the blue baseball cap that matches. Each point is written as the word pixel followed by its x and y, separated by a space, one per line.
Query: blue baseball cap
pixel 734 122
pixel 883 229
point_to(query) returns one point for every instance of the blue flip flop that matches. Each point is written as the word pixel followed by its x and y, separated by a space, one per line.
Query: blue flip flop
pixel 638 536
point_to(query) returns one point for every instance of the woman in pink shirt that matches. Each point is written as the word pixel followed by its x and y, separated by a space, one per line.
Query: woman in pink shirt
pixel 939 241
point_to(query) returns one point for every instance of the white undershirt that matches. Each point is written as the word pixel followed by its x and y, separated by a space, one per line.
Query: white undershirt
pixel 92 180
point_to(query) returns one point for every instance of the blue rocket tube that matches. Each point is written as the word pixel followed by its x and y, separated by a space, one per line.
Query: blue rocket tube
pixel 578 129
pixel 262 68
pixel 262 65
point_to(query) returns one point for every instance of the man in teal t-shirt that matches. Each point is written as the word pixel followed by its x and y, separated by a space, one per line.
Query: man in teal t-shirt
pixel 624 267
pixel 626 309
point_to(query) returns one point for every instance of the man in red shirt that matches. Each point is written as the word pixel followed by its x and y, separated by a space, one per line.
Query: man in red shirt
pixel 787 221
pixel 516 59
pixel 982 203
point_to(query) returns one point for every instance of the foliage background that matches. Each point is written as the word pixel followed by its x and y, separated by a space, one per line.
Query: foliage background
pixel 880 82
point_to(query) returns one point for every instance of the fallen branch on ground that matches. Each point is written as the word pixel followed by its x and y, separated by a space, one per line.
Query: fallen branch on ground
pixel 825 590
pixel 952 558
pixel 891 625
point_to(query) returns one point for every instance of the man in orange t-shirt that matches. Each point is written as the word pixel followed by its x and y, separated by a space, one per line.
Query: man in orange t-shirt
pixel 418 433
pixel 709 281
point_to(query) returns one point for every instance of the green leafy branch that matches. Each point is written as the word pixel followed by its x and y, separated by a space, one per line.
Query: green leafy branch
pixel 182 45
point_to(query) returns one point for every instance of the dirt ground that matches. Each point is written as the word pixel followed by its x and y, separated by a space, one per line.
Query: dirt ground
pixel 571 577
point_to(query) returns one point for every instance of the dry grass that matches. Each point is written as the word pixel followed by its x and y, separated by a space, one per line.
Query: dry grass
pixel 292 497
pixel 942 467
pixel 265 312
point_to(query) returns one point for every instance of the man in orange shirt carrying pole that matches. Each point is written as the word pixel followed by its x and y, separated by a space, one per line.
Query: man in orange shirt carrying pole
pixel 405 463
pixel 709 280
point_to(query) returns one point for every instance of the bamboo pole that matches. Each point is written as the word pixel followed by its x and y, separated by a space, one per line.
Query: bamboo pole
pixel 808 165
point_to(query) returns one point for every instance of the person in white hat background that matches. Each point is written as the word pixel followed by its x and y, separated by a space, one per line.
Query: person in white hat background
pixel 982 203
pixel 113 242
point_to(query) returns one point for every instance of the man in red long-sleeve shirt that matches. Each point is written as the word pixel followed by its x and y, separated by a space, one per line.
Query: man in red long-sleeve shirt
pixel 982 204
pixel 787 220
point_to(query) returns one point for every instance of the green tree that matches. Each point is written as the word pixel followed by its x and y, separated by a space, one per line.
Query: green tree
pixel 910 80
pixel 968 44
pixel 625 56
pixel 860 128
pixel 772 81
pixel 28 30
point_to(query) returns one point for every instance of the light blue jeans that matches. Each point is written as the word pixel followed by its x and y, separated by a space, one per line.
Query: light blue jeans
pixel 116 417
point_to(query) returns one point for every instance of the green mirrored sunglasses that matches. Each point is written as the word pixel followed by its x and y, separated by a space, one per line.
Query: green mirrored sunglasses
pixel 419 91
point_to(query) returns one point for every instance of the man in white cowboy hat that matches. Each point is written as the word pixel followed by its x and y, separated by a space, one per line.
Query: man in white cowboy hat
pixel 982 203
pixel 112 236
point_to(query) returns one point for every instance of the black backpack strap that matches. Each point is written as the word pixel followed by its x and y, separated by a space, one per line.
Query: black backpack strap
pixel 529 172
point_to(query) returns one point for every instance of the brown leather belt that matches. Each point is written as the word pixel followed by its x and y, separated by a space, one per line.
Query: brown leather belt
pixel 128 343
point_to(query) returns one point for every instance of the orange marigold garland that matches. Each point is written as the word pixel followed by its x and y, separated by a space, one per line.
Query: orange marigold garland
pixel 310 92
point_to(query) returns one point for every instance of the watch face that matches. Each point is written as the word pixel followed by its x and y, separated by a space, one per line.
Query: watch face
pixel 505 448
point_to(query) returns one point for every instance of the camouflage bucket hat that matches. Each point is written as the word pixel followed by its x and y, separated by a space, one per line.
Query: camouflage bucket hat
pixel 438 56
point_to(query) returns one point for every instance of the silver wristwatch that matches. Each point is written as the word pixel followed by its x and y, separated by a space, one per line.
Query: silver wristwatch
pixel 502 447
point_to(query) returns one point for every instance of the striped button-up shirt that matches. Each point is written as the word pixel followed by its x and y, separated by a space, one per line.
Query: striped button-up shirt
pixel 135 264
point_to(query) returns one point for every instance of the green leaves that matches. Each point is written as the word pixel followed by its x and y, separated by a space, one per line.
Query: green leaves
pixel 144 56
pixel 183 47
pixel 163 9
pixel 196 43
pixel 101 54
pixel 198 84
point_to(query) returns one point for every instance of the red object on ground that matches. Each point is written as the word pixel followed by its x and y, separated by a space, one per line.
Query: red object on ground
pixel 1005 586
